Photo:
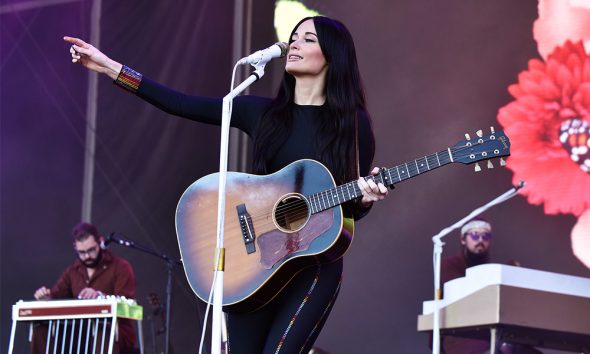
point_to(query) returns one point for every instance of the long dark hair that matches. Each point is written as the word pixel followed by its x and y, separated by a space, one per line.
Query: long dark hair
pixel 345 99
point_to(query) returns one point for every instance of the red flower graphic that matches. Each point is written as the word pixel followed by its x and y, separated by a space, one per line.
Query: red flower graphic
pixel 548 126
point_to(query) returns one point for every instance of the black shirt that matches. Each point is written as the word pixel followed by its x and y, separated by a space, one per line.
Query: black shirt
pixel 246 115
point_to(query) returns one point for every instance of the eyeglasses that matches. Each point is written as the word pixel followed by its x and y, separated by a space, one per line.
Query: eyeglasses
pixel 476 236
pixel 91 252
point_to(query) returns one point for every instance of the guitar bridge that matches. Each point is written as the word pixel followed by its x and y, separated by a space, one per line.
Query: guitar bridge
pixel 247 228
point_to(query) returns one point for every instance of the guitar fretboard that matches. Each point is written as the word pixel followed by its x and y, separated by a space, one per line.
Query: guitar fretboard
pixel 335 196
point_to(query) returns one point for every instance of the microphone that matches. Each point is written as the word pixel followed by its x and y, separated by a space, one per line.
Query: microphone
pixel 519 185
pixel 104 244
pixel 261 57
pixel 112 238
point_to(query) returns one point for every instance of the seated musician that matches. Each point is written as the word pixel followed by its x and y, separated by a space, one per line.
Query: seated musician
pixel 476 240
pixel 95 273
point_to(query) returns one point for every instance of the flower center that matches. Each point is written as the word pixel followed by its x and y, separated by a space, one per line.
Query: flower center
pixel 574 135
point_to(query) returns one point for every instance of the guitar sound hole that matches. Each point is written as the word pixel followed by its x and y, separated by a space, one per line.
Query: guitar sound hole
pixel 291 213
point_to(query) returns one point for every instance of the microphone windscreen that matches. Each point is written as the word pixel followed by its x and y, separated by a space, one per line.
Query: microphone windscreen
pixel 284 47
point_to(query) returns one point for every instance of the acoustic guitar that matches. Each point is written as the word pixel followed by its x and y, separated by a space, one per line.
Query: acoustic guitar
pixel 277 224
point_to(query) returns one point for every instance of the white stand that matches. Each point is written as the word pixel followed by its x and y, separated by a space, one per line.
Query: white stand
pixel 220 256
pixel 437 252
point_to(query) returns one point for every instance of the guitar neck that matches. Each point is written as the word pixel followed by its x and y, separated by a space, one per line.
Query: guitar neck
pixel 341 194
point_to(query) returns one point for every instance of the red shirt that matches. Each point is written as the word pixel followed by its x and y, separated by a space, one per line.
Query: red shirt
pixel 112 276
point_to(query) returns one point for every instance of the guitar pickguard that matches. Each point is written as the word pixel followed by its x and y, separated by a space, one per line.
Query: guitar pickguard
pixel 277 246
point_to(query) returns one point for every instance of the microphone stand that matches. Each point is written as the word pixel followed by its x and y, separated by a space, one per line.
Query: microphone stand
pixel 170 263
pixel 220 250
pixel 437 252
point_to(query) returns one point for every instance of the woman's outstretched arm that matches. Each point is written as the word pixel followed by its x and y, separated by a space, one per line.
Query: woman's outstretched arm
pixel 92 58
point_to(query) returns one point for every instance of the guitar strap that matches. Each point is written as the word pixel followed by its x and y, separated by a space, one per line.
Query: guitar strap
pixel 356 146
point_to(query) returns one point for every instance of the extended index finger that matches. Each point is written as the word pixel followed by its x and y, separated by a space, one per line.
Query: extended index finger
pixel 76 41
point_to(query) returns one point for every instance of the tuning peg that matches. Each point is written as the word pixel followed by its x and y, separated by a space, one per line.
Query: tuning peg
pixel 490 165
pixel 477 167
pixel 479 133
pixel 502 162
pixel 467 136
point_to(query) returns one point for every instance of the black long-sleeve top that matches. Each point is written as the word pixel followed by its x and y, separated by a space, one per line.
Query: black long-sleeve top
pixel 246 115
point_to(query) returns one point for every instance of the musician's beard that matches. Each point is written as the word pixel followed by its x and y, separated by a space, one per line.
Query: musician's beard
pixel 92 263
pixel 473 259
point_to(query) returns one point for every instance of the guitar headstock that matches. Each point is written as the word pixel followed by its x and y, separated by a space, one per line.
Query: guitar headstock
pixel 481 147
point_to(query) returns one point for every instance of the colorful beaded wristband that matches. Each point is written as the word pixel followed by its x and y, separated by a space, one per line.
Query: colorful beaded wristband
pixel 128 79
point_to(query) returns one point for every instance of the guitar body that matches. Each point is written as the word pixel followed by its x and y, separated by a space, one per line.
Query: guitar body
pixel 287 236
pixel 275 225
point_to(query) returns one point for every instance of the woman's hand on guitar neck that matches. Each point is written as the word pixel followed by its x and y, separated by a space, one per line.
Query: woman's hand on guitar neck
pixel 372 191
pixel 92 58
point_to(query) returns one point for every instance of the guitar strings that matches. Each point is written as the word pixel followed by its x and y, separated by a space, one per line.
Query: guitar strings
pixel 301 210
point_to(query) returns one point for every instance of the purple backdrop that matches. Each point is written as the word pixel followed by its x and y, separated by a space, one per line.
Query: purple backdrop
pixel 433 71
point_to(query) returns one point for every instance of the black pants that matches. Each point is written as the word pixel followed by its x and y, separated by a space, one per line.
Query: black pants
pixel 291 322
